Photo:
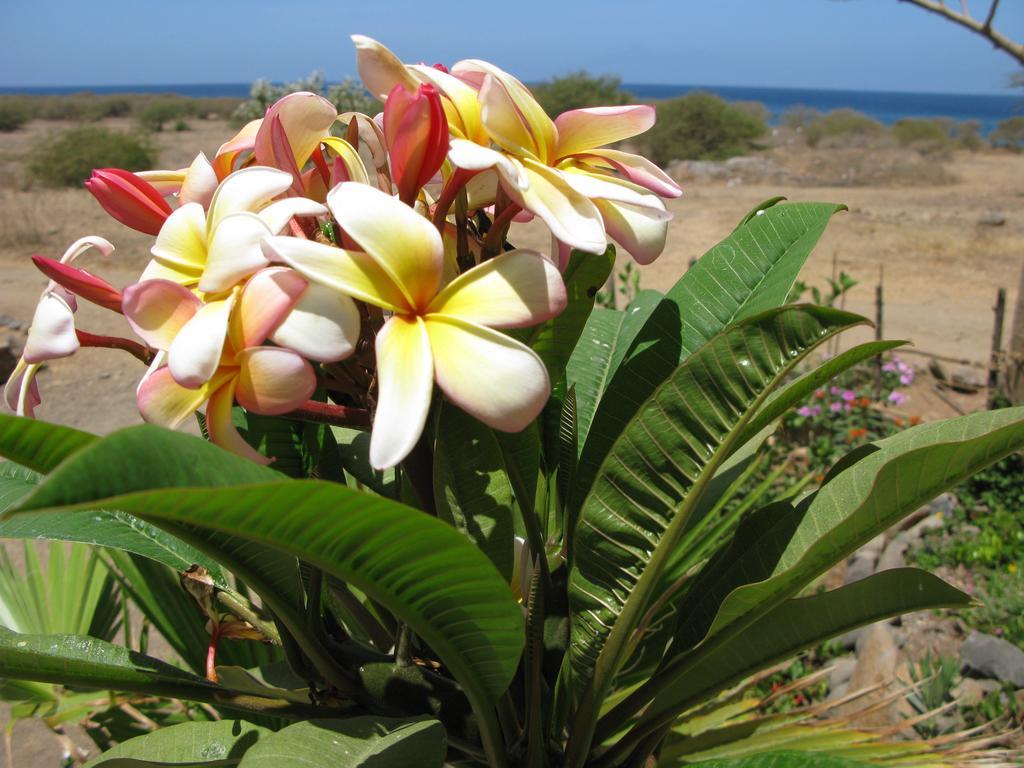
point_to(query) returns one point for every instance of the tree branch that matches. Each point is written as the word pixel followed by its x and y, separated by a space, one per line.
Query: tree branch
pixel 985 29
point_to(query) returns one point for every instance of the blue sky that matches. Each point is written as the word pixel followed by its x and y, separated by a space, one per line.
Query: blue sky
pixel 842 44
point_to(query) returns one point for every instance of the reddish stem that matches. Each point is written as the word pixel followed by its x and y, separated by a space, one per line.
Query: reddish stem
pixel 499 228
pixel 330 413
pixel 211 655
pixel 143 353
pixel 448 194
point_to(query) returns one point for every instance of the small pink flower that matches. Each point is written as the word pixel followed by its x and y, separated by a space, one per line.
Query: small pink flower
pixel 836 407
pixel 849 395
pixel 897 398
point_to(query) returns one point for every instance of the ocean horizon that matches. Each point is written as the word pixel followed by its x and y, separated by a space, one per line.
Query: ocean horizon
pixel 885 106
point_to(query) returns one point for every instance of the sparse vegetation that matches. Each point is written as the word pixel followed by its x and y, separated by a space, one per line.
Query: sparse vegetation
pixel 153 116
pixel 701 126
pixel 14 113
pixel 841 122
pixel 347 96
pixel 580 89
pixel 1009 133
pixel 67 159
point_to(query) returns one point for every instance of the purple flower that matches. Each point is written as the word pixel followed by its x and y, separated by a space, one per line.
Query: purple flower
pixel 834 390
pixel 897 398
pixel 836 407
pixel 906 379
pixel 815 410
pixel 849 395
pixel 804 411
pixel 890 367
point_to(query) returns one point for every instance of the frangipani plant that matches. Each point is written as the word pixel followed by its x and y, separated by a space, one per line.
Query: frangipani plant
pixel 534 563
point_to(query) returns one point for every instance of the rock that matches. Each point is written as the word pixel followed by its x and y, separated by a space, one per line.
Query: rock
pixel 991 219
pixel 878 662
pixel 944 503
pixel 848 640
pixel 859 567
pixel 934 522
pixel 969 692
pixel 837 693
pixel 892 557
pixel 9 354
pixel 914 518
pixel 986 656
pixel 966 380
pixel 936 370
pixel 842 670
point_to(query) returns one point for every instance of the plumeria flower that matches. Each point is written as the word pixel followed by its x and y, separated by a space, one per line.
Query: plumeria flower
pixel 52 334
pixel 213 250
pixel 435 333
pixel 559 170
pixel 268 380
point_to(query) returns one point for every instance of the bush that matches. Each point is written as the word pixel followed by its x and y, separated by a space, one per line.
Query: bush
pixel 153 116
pixel 14 113
pixel 701 126
pixel 347 96
pixel 841 122
pixel 67 160
pixel 1009 133
pixel 580 89
pixel 799 117
pixel 928 133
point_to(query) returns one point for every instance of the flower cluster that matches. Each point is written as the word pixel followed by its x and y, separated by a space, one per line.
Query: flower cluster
pixel 339 264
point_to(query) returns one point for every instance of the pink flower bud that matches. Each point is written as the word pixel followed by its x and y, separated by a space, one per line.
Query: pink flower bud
pixel 80 283
pixel 129 199
pixel 416 132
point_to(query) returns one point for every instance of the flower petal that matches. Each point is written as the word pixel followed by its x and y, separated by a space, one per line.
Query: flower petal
pixel 277 215
pixel 246 190
pixel 635 229
pixel 200 182
pixel 234 252
pixel 21 392
pixel 492 377
pixel 403 243
pixel 305 117
pixel 181 244
pixel 462 104
pixel 514 290
pixel 164 401
pixel 273 381
pixel 267 298
pixel 355 169
pixel 220 425
pixel 243 141
pixel 405 375
pixel 473 157
pixel 52 333
pixel 504 123
pixel 638 170
pixel 194 355
pixel 570 216
pixel 592 127
pixel 379 68
pixel 322 326
pixel 350 272
pixel 158 309
pixel 603 186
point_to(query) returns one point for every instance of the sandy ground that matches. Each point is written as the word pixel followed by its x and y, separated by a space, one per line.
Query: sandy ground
pixel 941 268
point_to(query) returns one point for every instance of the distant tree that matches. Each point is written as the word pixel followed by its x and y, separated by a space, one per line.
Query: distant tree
pixel 580 89
pixel 700 126
pixel 1009 133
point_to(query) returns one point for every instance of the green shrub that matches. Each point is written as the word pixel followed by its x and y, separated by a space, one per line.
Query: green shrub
pixel 347 96
pixel 930 132
pixel 14 113
pixel 153 115
pixel 1009 133
pixel 580 89
pixel 67 160
pixel 841 122
pixel 700 126
pixel 798 117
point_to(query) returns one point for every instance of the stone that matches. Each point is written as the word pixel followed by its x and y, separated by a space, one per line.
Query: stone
pixel 842 671
pixel 970 692
pixel 878 663
pixel 966 380
pixel 892 556
pixel 987 656
pixel 934 522
pixel 848 640
pixel 991 219
pixel 862 562
pixel 944 503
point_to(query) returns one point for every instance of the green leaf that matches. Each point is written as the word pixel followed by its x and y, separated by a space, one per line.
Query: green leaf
pixel 656 472
pixel 788 759
pixel 354 449
pixel 416 566
pixel 757 209
pixel 295 446
pixel 800 623
pixel 16 482
pixel 39 445
pixel 555 340
pixel 359 742
pixel 802 388
pixel 774 556
pixel 195 743
pixel 471 485
pixel 749 272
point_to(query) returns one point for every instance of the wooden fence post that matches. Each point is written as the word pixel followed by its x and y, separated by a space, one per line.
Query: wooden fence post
pixel 1014 375
pixel 996 355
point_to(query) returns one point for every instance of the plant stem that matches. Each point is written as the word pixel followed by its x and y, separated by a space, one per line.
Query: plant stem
pixel 244 610
pixel 332 414
pixel 133 348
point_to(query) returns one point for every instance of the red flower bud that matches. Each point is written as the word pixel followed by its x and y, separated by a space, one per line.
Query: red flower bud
pixel 129 199
pixel 80 283
pixel 416 132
